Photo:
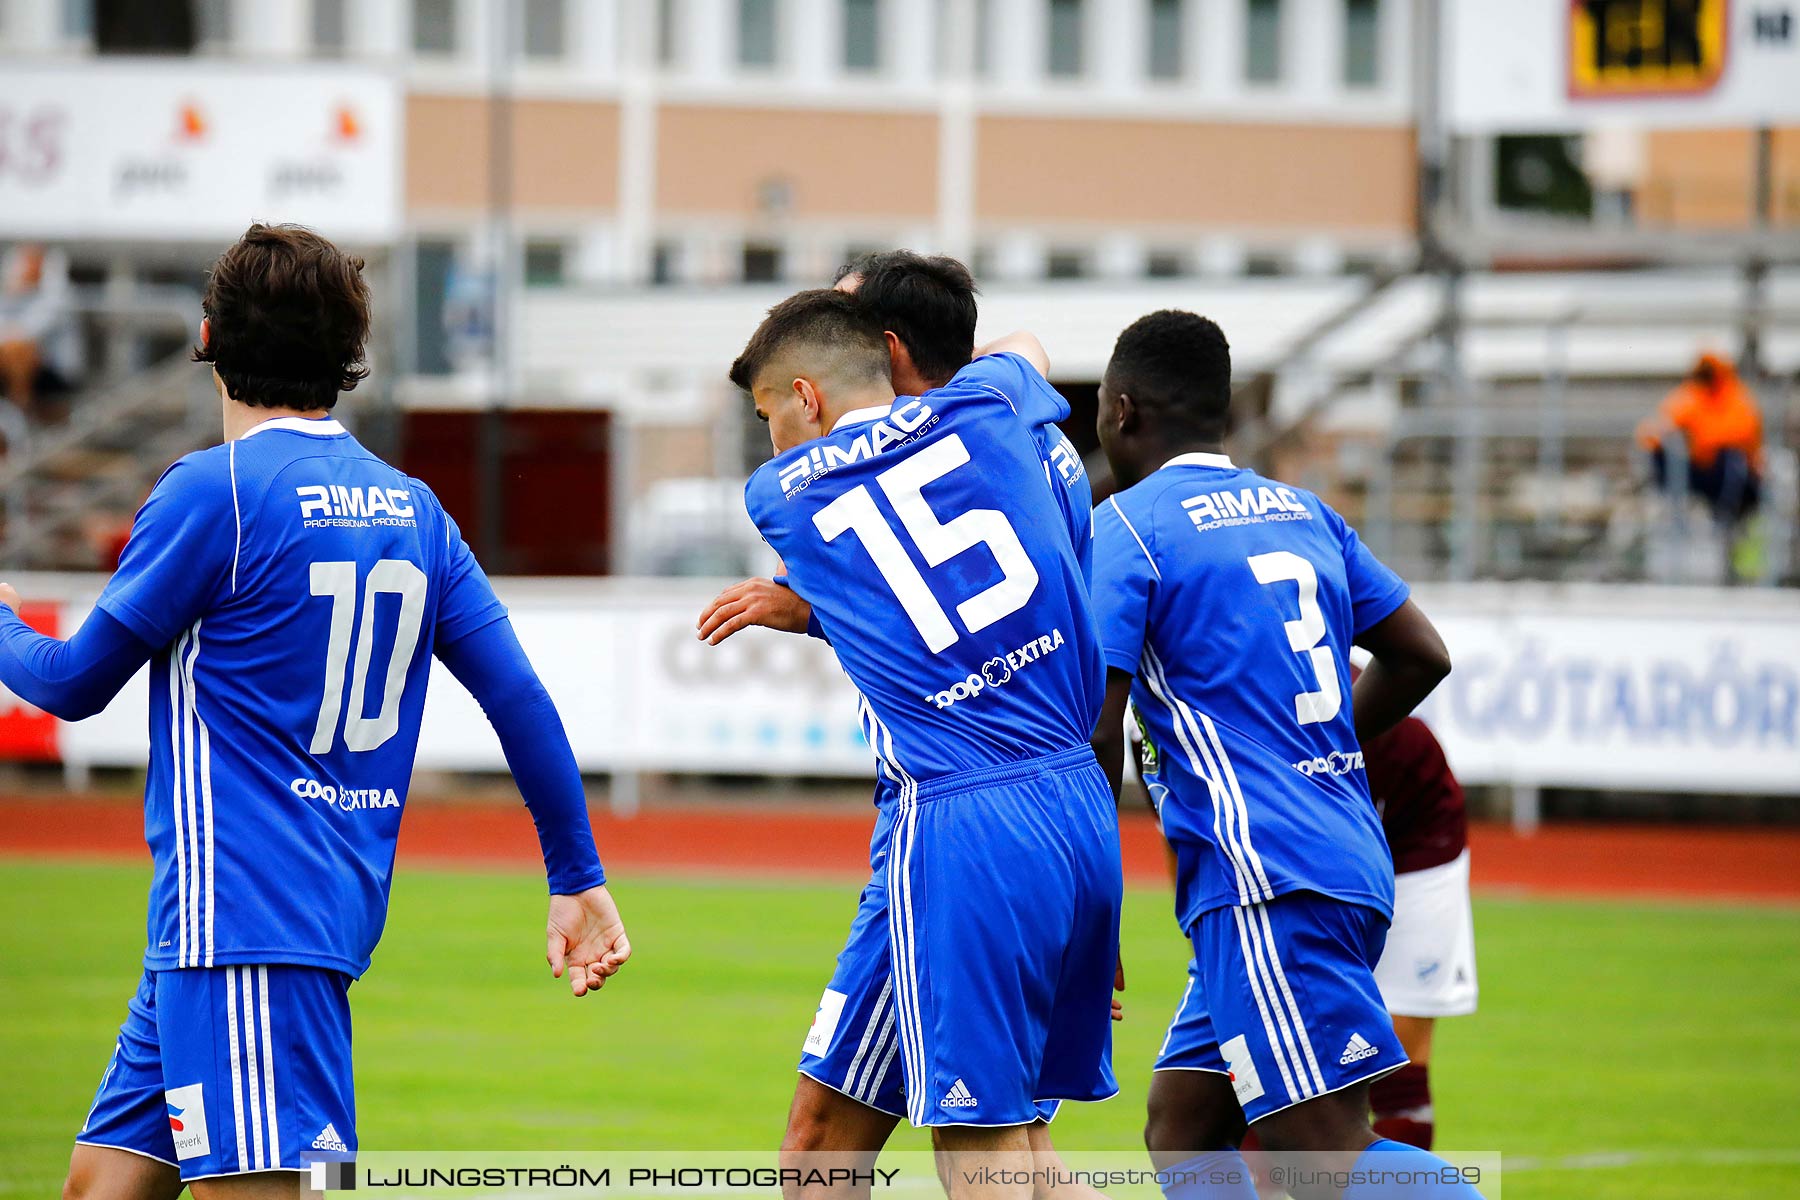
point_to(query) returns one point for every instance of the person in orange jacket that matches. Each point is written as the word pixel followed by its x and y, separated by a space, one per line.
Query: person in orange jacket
pixel 1717 418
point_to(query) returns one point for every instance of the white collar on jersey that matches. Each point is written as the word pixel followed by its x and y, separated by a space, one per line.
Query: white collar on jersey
pixel 862 416
pixel 1220 462
pixel 315 426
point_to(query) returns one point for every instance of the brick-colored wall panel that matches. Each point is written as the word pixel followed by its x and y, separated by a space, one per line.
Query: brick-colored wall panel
pixel 1703 178
pixel 1099 170
pixel 565 153
pixel 719 161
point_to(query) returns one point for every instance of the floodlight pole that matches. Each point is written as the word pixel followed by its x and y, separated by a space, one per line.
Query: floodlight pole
pixel 489 487
pixel 1437 254
pixel 1756 299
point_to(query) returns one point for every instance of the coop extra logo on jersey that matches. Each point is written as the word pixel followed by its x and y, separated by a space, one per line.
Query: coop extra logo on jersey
pixel 997 670
pixel 323 504
pixel 1245 506
pixel 1338 762
pixel 345 799
pixel 903 423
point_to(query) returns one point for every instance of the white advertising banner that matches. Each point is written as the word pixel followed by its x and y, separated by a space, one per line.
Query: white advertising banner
pixel 1527 66
pixel 1615 689
pixel 1611 688
pixel 196 150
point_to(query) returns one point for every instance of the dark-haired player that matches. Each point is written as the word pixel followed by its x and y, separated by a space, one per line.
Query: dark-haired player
pixel 936 561
pixel 926 307
pixel 288 590
pixel 1228 603
pixel 845 1101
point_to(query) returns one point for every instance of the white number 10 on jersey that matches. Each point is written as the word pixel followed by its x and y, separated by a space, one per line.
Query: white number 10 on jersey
pixel 337 580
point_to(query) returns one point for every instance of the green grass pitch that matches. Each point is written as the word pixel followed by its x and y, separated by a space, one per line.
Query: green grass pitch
pixel 1662 1041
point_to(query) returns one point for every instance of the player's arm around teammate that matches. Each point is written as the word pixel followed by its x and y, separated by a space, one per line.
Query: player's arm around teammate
pixel 927 307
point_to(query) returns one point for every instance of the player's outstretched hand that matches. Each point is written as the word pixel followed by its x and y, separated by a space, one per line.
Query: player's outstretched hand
pixel 9 596
pixel 1118 1013
pixel 586 938
pixel 753 602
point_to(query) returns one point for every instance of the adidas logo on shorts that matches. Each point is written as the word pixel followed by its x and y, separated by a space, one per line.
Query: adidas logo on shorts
pixel 328 1139
pixel 1355 1050
pixel 958 1096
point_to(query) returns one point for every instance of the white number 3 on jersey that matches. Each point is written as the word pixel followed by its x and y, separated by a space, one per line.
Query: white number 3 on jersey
pixel 1304 635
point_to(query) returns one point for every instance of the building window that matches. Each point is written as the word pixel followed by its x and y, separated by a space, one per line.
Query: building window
pixel 1164 264
pixel 1262 41
pixel 1265 264
pixel 665 262
pixel 145 26
pixel 762 263
pixel 77 20
pixel 214 24
pixel 862 35
pixel 756 32
pixel 978 52
pixel 546 264
pixel 1066 264
pixel 1065 37
pixel 1362 43
pixel 434 265
pixel 984 37
pixel 434 26
pixel 665 32
pixel 546 28
pixel 330 28
pixel 1166 21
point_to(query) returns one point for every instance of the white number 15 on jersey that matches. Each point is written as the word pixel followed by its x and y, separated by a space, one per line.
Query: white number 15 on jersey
pixel 939 541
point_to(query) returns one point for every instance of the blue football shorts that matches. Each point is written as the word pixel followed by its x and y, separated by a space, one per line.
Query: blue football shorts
pixel 976 984
pixel 227 1070
pixel 1281 998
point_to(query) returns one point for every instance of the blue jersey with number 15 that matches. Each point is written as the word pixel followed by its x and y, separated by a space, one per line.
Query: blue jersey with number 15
pixel 939 565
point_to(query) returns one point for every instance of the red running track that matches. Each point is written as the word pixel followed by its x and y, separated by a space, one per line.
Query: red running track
pixel 1672 862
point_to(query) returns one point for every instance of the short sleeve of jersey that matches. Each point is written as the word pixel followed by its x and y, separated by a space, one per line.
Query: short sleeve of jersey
pixel 468 601
pixel 1018 382
pixel 177 564
pixel 1375 591
pixel 1123 581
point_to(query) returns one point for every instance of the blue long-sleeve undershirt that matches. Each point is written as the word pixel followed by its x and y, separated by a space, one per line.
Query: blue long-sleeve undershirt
pixel 73 679
pixel 490 662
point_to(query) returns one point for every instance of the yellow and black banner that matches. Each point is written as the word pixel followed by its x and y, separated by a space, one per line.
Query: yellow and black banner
pixel 1623 48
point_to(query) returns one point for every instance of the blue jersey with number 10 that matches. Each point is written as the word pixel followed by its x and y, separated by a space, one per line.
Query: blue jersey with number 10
pixel 938 563
pixel 1234 600
pixel 295 586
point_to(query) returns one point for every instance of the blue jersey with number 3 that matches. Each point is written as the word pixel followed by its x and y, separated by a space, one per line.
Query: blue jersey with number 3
pixel 938 563
pixel 295 585
pixel 1234 600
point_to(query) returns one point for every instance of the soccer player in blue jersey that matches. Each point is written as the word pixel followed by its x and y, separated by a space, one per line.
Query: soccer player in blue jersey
pixel 845 1101
pixel 1228 603
pixel 934 556
pixel 288 590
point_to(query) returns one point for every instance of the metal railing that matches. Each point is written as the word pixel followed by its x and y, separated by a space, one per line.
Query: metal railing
pixel 144 415
pixel 1435 484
